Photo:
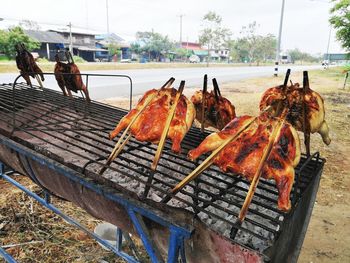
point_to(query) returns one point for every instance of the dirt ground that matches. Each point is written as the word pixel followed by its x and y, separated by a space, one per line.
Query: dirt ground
pixel 43 237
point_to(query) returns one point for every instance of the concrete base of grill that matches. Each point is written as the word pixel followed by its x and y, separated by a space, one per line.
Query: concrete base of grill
pixel 204 246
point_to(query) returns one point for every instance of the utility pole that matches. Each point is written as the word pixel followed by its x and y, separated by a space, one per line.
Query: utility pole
pixel 107 15
pixel 329 41
pixel 278 48
pixel 181 16
pixel 70 38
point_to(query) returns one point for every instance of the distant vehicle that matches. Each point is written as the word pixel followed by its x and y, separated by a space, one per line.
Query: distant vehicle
pixel 125 60
pixel 286 59
pixel 194 59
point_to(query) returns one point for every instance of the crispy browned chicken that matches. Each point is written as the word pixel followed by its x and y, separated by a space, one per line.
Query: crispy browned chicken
pixel 315 110
pixel 242 155
pixel 70 82
pixel 151 122
pixel 26 64
pixel 218 110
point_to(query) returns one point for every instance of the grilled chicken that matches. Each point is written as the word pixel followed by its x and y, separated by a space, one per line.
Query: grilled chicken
pixel 218 110
pixel 242 155
pixel 26 64
pixel 151 122
pixel 69 82
pixel 315 110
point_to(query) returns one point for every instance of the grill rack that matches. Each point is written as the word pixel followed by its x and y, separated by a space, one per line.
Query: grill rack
pixel 101 119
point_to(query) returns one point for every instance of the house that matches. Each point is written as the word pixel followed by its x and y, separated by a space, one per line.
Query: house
pixel 336 57
pixel 102 41
pixel 196 49
pixel 83 42
pixel 50 42
pixel 222 54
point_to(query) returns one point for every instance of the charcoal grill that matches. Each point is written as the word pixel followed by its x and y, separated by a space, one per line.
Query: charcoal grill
pixel 62 143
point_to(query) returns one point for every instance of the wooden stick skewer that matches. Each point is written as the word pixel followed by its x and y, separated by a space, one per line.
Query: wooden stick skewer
pixel 209 160
pixel 167 126
pixel 39 81
pixel 262 162
pixel 204 91
pixel 120 144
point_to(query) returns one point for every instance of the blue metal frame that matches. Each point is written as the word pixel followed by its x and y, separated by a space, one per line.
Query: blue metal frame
pixel 178 233
pixel 6 256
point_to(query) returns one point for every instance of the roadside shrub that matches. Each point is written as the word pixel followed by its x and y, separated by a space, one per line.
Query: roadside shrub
pixel 42 60
pixel 78 59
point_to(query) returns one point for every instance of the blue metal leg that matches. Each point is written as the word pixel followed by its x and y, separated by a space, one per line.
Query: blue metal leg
pixel 70 220
pixel 6 256
pixel 146 240
pixel 119 239
pixel 176 246
pixel 136 214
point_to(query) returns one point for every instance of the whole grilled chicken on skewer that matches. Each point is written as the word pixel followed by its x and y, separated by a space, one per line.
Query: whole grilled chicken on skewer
pixel 65 81
pixel 218 111
pixel 315 111
pixel 26 64
pixel 242 155
pixel 151 122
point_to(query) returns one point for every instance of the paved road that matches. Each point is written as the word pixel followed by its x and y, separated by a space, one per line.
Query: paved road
pixel 144 79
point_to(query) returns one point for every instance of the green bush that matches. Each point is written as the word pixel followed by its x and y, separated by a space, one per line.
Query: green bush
pixel 42 60
pixel 3 58
pixel 78 59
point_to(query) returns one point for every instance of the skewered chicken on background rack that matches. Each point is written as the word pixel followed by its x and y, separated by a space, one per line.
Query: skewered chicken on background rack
pixel 151 122
pixel 243 154
pixel 315 111
pixel 26 64
pixel 65 81
pixel 218 111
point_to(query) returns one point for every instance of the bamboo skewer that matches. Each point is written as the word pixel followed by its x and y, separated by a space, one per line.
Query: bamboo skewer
pixel 167 126
pixel 216 90
pixel 306 126
pixel 204 91
pixel 207 162
pixel 257 175
pixel 120 144
pixel 39 81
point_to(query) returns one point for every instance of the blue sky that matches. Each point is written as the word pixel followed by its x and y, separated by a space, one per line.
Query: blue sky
pixel 305 21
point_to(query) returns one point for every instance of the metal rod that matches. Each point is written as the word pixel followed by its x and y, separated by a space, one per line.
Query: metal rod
pixel 204 95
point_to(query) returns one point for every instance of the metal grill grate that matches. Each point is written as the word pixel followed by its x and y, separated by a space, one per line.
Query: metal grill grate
pixel 75 134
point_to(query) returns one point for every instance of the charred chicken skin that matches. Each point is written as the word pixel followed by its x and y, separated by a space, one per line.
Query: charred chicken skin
pixel 315 110
pixel 26 64
pixel 218 110
pixel 151 122
pixel 242 155
pixel 69 82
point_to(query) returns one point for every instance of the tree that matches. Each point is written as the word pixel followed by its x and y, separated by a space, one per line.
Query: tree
pixel 251 47
pixel 135 48
pixel 266 47
pixel 340 20
pixel 15 35
pixel 29 25
pixel 154 44
pixel 213 35
pixel 114 49
pixel 298 55
pixel 182 53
